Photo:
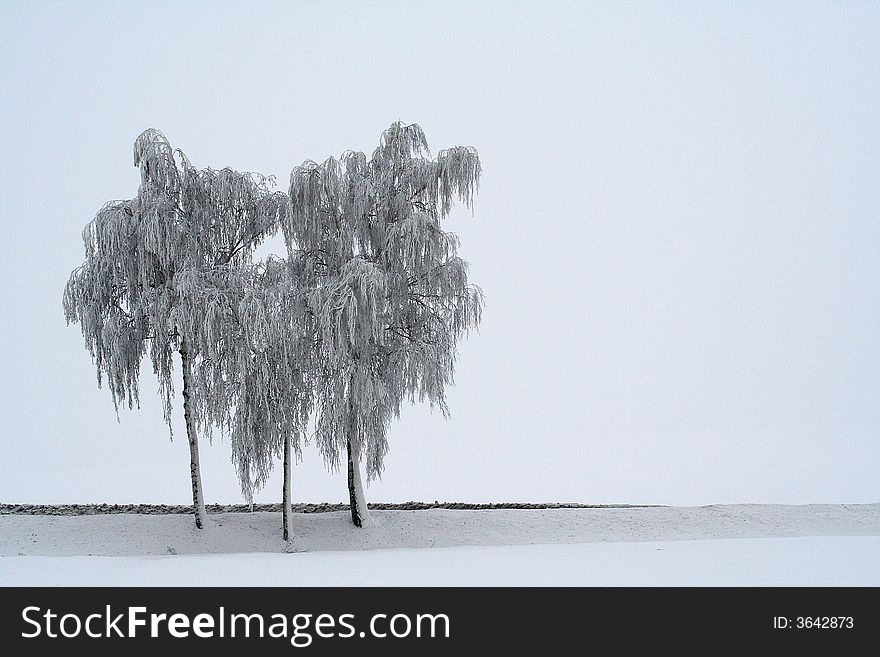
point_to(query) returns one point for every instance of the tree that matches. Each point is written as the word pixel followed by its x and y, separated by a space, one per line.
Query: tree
pixel 390 297
pixel 163 273
pixel 272 369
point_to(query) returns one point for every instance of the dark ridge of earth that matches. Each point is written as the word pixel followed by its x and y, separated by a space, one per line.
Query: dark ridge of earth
pixel 321 507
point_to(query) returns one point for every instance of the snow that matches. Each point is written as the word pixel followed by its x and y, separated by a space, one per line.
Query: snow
pixel 806 561
pixel 736 545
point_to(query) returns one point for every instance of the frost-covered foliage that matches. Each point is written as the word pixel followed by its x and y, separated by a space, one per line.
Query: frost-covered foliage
pixel 170 270
pixel 389 295
pixel 363 315
pixel 165 270
pixel 273 371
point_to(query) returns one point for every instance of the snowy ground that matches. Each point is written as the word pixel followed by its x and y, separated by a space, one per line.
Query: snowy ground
pixel 731 545
pixel 806 561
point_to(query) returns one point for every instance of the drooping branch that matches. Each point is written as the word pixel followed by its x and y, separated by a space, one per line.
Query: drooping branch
pixel 390 295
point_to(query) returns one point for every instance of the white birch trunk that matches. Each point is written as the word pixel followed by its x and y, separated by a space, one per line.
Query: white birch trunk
pixel 285 503
pixel 360 515
pixel 194 469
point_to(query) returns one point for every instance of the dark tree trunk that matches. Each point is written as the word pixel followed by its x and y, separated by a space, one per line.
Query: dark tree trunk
pixel 360 514
pixel 356 498
pixel 352 488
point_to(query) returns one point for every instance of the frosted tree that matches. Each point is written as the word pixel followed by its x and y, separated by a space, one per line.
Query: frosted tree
pixel 390 297
pixel 165 272
pixel 272 370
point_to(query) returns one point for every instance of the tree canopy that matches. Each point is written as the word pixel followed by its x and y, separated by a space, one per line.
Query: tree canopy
pixel 390 295
pixel 166 271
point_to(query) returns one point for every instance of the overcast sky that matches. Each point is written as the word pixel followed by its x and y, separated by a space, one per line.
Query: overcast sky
pixel 678 234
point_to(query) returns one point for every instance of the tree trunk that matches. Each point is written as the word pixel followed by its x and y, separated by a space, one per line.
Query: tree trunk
pixel 360 515
pixel 285 499
pixel 194 471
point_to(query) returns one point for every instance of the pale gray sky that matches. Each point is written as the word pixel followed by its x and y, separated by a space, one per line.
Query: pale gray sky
pixel 678 234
